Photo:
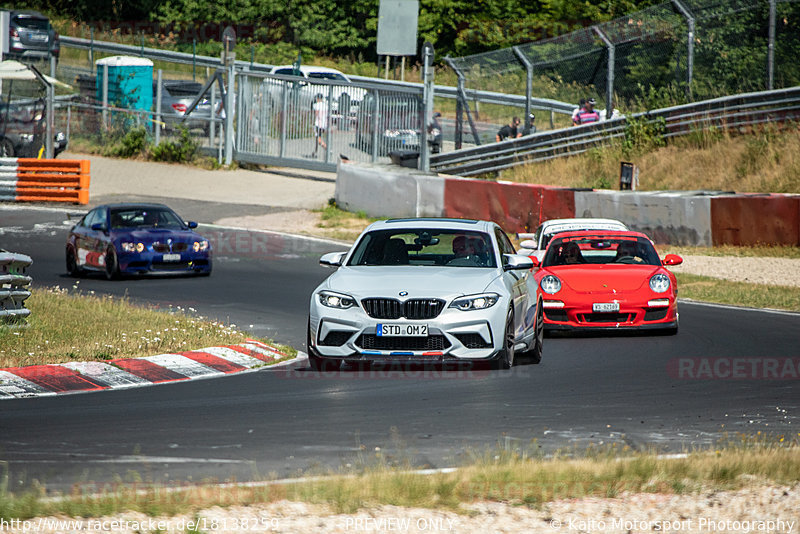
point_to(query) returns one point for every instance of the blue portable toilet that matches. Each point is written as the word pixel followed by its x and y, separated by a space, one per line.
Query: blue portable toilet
pixel 130 82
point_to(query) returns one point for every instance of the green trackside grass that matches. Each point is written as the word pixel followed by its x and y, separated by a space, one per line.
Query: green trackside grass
pixel 337 223
pixel 69 326
pixel 759 251
pixel 709 289
pixel 498 476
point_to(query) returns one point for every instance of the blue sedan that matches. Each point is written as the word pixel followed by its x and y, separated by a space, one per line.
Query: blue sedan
pixel 136 239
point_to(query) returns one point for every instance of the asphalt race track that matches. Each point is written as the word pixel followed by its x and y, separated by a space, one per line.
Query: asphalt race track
pixel 727 371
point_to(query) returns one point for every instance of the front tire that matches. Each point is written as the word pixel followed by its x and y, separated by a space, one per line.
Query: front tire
pixel 505 359
pixel 112 264
pixel 72 265
pixel 535 355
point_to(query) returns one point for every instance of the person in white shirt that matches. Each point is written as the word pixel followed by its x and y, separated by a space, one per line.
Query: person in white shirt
pixel 320 108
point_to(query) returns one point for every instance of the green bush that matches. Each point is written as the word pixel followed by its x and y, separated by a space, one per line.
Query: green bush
pixel 131 144
pixel 181 150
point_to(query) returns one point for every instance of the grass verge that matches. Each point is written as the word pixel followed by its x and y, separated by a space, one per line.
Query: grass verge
pixel 720 291
pixel 69 326
pixel 511 478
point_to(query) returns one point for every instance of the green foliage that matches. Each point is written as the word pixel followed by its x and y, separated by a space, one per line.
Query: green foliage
pixel 643 135
pixel 180 150
pixel 131 144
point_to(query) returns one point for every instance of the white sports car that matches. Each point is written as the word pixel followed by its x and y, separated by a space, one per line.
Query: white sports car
pixel 426 290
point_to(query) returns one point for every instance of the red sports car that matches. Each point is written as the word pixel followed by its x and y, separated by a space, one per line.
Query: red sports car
pixel 607 280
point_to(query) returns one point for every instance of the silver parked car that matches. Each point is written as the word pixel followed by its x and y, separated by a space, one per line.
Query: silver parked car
pixel 176 97
pixel 426 290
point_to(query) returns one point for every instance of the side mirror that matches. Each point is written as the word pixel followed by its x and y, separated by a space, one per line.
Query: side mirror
pixel 191 224
pixel 99 227
pixel 332 259
pixel 672 259
pixel 535 261
pixel 529 244
pixel 515 262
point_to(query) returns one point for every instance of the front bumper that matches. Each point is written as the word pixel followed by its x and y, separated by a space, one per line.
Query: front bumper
pixel 454 335
pixel 153 263
pixel 633 314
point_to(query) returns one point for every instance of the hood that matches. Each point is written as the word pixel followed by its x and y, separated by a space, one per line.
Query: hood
pixel 158 234
pixel 604 278
pixel 419 282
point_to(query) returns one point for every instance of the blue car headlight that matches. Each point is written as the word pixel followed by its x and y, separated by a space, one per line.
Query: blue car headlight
pixel 340 301
pixel 200 246
pixel 475 302
pixel 132 247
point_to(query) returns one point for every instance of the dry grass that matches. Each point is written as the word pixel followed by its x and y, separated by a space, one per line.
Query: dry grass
pixel 707 289
pixel 765 161
pixel 69 326
pixel 499 476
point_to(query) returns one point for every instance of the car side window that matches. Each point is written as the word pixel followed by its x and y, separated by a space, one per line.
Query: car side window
pixel 504 243
pixel 93 217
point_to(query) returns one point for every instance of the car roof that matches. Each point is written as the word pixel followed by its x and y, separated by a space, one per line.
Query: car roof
pixel 600 233
pixel 305 69
pixel 441 223
pixel 602 224
pixel 123 205
pixel 27 13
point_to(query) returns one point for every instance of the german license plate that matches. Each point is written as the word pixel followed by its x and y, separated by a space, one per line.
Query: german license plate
pixel 172 257
pixel 605 307
pixel 402 330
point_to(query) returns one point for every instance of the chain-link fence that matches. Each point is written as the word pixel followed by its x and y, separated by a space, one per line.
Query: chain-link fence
pixel 670 53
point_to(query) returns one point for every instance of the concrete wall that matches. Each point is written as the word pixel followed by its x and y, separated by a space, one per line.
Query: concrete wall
pixel 389 191
pixel 679 218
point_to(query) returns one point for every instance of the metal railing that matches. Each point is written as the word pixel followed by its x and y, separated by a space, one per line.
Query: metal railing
pixel 725 113
pixel 14 287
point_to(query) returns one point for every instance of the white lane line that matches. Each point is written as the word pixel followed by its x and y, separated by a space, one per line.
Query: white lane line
pixel 13 386
pixel 738 308
pixel 105 374
pixel 182 365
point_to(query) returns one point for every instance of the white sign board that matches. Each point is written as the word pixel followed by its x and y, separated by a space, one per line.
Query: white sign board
pixel 397 27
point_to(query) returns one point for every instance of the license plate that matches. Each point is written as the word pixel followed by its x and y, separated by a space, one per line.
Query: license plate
pixel 402 330
pixel 172 257
pixel 605 307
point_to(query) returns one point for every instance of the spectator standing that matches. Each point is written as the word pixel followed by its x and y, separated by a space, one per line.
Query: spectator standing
pixel 581 104
pixel 588 114
pixel 509 130
pixel 320 108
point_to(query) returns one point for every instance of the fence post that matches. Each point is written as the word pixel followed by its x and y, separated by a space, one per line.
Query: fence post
pixel 157 124
pixel 284 112
pixel 528 87
pixel 427 107
pixel 771 47
pixel 229 107
pixel 610 73
pixel 689 47
pixel 105 97
pixel 464 105
pixel 375 123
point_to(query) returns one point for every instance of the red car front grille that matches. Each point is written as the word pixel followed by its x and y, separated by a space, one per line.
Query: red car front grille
pixel 605 317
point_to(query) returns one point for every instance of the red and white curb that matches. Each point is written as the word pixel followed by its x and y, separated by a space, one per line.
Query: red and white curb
pixel 77 377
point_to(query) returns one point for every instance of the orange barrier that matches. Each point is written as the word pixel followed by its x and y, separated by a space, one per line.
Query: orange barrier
pixel 51 180
pixel 516 207
pixel 769 219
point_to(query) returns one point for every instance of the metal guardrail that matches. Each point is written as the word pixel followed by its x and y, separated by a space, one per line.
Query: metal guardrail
pixel 14 286
pixel 727 113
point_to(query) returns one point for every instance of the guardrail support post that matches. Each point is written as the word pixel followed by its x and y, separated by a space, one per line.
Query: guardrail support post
pixel 689 46
pixel 528 87
pixel 610 74
pixel 771 47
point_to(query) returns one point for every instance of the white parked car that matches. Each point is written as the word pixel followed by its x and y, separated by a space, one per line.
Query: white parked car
pixel 426 290
pixel 535 244
pixel 344 97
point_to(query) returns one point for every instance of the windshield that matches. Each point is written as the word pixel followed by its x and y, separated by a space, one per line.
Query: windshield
pixel 600 250
pixel 425 247
pixel 327 76
pixel 145 217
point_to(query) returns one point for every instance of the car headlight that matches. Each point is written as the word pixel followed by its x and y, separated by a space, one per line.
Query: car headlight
pixel 659 282
pixel 550 284
pixel 200 246
pixel 132 247
pixel 336 300
pixel 475 302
